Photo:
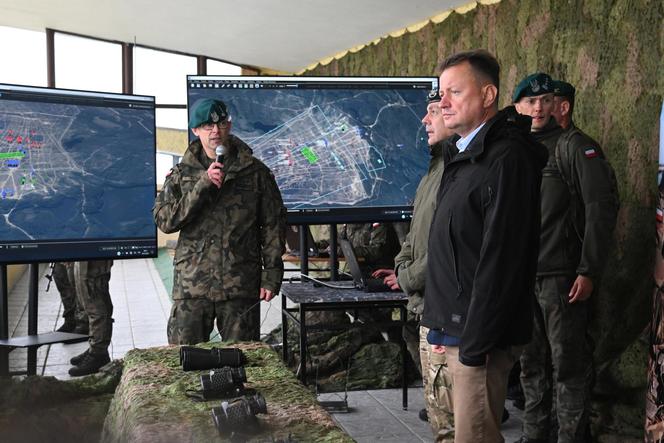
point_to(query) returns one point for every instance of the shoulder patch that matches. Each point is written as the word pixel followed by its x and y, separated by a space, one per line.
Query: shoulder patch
pixel 590 152
pixel 660 215
pixel 375 225
pixel 170 171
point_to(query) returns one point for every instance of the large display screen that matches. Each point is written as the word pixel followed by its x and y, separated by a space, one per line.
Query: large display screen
pixel 77 175
pixel 343 149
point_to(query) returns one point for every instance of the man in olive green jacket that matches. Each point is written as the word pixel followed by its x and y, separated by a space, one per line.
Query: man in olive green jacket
pixel 409 275
pixel 231 218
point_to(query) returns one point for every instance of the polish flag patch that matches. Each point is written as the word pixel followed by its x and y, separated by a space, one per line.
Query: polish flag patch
pixel 590 153
pixel 660 215
pixel 375 225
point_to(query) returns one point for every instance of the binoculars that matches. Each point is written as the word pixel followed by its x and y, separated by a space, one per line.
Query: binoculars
pixel 239 412
pixel 195 359
pixel 223 381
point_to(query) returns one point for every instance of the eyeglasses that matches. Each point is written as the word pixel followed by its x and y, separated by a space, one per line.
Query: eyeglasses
pixel 210 126
pixel 433 95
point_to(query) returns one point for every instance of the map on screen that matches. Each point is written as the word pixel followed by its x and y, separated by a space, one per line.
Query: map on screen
pixel 75 168
pixel 331 143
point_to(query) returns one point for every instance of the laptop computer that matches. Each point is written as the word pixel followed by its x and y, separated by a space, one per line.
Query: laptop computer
pixel 360 282
pixel 293 242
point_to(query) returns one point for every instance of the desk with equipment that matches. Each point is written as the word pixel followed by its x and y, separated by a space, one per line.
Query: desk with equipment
pixel 311 295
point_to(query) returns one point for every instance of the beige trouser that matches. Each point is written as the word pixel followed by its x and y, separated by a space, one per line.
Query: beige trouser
pixel 479 394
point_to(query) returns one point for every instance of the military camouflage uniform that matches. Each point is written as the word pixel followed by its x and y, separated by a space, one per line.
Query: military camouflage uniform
pixel 92 279
pixel 72 309
pixel 560 336
pixel 437 382
pixel 230 244
pixel 376 243
pixel 410 266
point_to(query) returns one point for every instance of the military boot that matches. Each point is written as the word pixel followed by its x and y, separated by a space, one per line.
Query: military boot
pixel 424 416
pixel 75 361
pixel 90 364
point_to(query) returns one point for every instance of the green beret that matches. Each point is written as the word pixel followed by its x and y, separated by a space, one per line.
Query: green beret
pixel 563 89
pixel 208 111
pixel 534 84
pixel 433 97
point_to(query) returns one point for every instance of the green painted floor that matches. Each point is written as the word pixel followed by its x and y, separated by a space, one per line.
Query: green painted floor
pixel 164 264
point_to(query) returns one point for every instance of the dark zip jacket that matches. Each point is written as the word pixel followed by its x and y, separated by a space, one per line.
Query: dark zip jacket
pixel 484 239
pixel 569 246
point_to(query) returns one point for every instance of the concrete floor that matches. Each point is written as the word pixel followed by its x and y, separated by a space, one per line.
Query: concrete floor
pixel 141 308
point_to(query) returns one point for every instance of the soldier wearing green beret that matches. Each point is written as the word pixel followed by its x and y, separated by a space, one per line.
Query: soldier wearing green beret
pixel 579 208
pixel 563 98
pixel 228 209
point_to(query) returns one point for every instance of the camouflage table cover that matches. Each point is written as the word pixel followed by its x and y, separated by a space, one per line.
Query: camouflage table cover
pixel 150 402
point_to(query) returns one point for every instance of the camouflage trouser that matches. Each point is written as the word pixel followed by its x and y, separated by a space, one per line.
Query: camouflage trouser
pixel 437 390
pixel 91 279
pixel 557 360
pixel 192 320
pixel 72 309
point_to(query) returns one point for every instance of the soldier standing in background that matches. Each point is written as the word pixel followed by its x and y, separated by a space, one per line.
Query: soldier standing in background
pixel 376 243
pixel 91 278
pixel 76 320
pixel 232 223
pixel 579 206
pixel 563 100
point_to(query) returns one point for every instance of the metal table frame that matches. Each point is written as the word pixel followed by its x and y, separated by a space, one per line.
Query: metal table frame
pixel 289 291
pixel 33 340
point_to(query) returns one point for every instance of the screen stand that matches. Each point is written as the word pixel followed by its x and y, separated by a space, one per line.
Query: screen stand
pixel 32 341
pixel 304 250
pixel 4 327
pixel 334 259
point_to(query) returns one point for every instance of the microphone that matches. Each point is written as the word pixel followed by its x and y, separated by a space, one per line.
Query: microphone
pixel 219 150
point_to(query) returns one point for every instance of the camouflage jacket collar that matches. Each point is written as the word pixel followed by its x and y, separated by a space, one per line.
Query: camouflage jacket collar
pixel 240 155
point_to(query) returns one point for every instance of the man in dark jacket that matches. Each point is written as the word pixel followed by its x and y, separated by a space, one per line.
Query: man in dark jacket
pixel 483 244
pixel 232 222
pixel 579 208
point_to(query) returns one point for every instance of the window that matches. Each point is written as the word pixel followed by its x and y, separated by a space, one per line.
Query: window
pixel 86 63
pixel 215 67
pixel 163 75
pixel 24 63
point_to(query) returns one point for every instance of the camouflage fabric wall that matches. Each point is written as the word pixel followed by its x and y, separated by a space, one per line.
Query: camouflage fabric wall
pixel 612 52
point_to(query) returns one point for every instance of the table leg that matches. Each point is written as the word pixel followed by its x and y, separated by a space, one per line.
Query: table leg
pixel 303 345
pixel 284 329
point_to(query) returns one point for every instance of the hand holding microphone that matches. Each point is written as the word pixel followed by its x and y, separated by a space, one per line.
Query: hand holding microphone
pixel 216 170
